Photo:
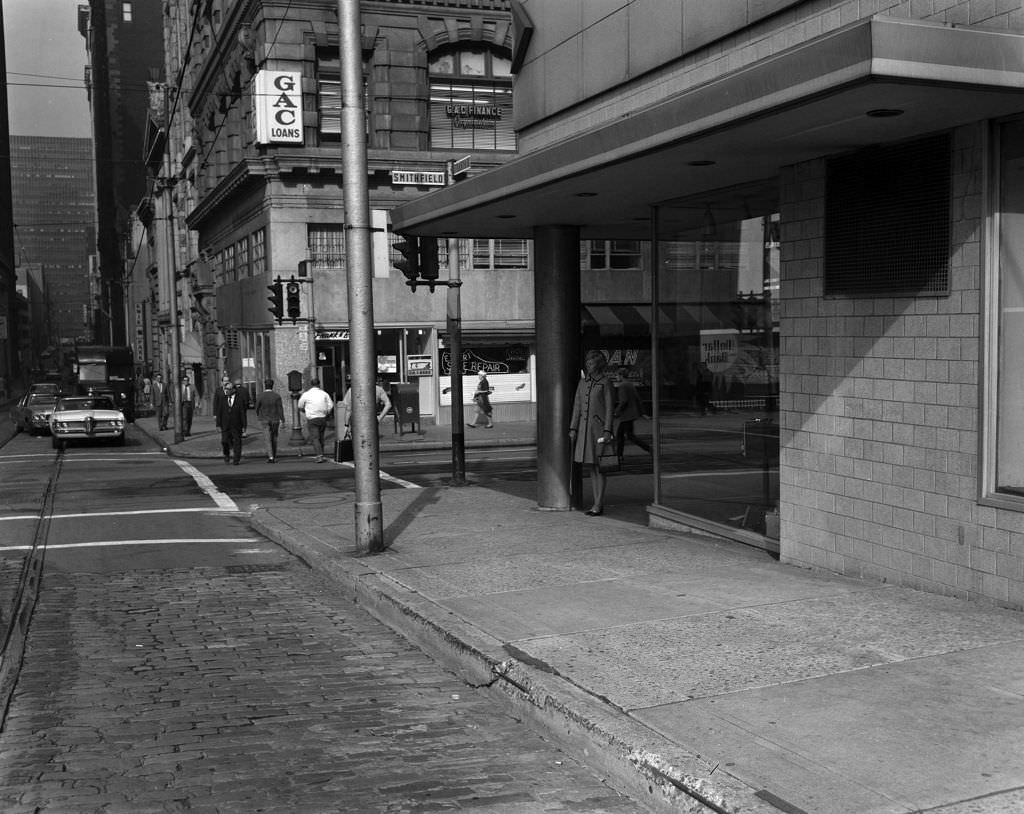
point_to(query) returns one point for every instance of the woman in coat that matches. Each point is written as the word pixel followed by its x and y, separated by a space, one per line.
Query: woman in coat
pixel 591 426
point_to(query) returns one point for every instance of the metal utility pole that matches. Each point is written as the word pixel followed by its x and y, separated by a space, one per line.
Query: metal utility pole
pixel 455 342
pixel 369 524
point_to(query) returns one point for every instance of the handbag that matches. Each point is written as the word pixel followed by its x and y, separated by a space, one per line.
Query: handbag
pixel 607 460
pixel 343 449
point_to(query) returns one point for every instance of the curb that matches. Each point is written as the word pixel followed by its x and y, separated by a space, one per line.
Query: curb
pixel 636 760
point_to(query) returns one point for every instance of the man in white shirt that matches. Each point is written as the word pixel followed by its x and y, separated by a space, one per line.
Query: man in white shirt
pixel 316 404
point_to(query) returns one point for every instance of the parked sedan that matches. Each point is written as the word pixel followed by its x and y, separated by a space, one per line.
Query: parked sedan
pixel 31 412
pixel 86 418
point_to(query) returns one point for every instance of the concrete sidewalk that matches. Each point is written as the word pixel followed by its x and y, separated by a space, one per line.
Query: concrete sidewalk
pixel 697 674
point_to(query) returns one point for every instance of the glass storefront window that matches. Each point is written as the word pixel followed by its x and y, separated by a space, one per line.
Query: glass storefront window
pixel 717 358
pixel 1009 455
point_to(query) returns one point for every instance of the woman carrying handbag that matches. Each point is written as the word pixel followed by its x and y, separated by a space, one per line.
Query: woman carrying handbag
pixel 590 429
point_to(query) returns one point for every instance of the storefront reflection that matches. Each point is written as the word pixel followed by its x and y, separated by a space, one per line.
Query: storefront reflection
pixel 717 360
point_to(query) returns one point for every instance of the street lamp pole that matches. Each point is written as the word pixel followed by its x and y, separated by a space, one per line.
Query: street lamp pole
pixel 369 525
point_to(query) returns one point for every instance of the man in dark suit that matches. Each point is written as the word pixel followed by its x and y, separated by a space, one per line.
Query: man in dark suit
pixel 232 420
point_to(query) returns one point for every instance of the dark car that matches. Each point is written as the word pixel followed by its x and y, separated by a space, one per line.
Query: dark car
pixel 32 411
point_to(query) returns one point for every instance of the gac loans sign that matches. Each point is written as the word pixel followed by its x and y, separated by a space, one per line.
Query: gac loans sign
pixel 278 105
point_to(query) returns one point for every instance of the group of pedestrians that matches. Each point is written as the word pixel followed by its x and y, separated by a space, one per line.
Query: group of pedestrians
pixel 231 406
pixel 163 399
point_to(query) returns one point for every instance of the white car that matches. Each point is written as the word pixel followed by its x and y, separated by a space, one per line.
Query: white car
pixel 86 418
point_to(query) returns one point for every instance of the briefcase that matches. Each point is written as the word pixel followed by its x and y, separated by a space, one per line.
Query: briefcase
pixel 343 450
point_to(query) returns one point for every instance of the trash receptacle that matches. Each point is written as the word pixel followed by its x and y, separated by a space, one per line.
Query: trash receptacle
pixel 405 403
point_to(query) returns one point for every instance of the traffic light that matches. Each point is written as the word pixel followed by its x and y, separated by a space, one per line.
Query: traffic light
pixel 409 265
pixel 276 299
pixel 428 259
pixel 294 305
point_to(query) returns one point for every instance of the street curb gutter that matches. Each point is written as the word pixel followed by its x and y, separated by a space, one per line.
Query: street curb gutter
pixel 636 759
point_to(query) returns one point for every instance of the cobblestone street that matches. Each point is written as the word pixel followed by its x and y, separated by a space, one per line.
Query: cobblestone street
pixel 256 689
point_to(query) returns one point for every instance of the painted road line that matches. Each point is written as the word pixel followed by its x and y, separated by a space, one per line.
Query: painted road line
pixel 405 484
pixel 207 486
pixel 112 543
pixel 204 510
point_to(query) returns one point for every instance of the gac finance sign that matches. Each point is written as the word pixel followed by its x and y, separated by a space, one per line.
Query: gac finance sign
pixel 278 105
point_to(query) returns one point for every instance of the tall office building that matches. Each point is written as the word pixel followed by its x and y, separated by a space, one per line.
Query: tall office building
pixel 54 231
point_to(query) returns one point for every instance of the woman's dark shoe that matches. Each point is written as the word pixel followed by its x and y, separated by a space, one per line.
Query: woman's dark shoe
pixel 594 512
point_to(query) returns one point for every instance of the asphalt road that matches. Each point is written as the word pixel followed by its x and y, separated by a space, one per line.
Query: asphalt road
pixel 177 661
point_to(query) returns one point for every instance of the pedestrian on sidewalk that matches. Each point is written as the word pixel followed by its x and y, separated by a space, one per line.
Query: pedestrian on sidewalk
pixel 482 399
pixel 161 403
pixel 188 405
pixel 628 409
pixel 591 425
pixel 220 394
pixel 232 421
pixel 270 414
pixel 316 405
pixel 381 399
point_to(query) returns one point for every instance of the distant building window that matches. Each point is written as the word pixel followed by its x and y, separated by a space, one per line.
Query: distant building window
pixel 242 258
pixel 326 246
pixel 471 100
pixel 328 94
pixel 501 253
pixel 612 255
pixel 258 243
pixel 126 11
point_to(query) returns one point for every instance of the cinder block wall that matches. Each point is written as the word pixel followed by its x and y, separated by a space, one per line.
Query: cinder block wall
pixel 880 413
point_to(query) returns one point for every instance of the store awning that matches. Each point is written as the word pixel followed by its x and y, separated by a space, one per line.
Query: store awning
pixel 828 95
pixel 674 318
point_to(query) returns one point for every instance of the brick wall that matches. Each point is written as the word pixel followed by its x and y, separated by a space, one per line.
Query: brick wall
pixel 880 413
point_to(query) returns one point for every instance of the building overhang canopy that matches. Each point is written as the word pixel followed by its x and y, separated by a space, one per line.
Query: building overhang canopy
pixel 876 81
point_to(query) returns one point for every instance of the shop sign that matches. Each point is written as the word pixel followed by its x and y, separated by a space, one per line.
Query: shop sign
pixel 419 365
pixel 277 101
pixel 507 359
pixel 329 335
pixel 420 179
pixel 719 349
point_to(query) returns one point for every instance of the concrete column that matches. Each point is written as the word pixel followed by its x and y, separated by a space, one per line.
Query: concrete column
pixel 556 290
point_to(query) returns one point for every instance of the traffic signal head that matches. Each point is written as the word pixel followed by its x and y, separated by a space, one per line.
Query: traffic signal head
pixel 428 259
pixel 294 304
pixel 409 264
pixel 276 299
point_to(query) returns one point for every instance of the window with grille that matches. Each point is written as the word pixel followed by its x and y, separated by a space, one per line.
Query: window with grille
pixel 471 99
pixel 501 253
pixel 326 246
pixel 887 220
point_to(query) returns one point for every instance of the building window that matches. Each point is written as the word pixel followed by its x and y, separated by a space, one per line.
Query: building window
pixel 258 250
pixel 1009 320
pixel 229 264
pixel 328 95
pixel 471 100
pixel 126 12
pixel 501 253
pixel 242 258
pixel 612 255
pixel 327 246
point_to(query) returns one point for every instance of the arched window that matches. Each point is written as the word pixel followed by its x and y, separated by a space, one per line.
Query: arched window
pixel 471 99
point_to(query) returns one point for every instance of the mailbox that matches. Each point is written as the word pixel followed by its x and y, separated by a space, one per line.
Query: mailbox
pixel 405 403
